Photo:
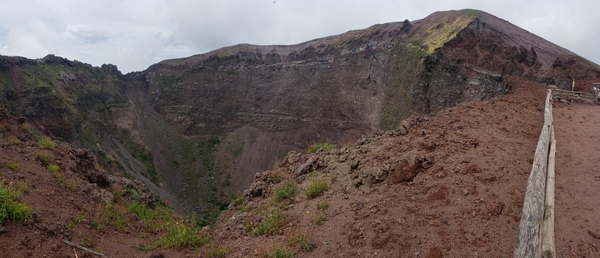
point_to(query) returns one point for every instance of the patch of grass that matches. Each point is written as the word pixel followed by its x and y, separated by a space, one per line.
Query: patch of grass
pixel 320 146
pixel 11 208
pixel 18 187
pixel 275 177
pixel 287 190
pixel 155 219
pixel 269 225
pixel 110 215
pixel 280 252
pixel 42 157
pixel 70 184
pixel 320 218
pixel 218 252
pixel 323 205
pixel 316 188
pixel 238 200
pixel 182 236
pixel 15 141
pixel 13 165
pixel 46 143
pixel 175 233
pixel 54 170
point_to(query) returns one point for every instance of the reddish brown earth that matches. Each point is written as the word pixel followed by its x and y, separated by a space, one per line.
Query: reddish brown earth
pixel 453 186
pixel 65 213
pixel 577 211
pixel 449 184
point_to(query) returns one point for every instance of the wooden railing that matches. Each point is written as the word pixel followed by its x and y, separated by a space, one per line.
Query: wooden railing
pixel 575 96
pixel 535 236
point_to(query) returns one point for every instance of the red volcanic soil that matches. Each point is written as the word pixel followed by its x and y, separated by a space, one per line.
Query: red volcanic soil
pixel 71 208
pixel 577 226
pixel 450 184
pixel 446 185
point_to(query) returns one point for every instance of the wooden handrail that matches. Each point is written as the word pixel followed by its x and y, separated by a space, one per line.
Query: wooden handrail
pixel 529 237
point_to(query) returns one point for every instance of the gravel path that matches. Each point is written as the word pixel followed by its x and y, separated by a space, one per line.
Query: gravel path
pixel 577 135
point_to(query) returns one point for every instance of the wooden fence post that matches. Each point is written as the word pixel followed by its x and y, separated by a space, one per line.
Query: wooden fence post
pixel 528 242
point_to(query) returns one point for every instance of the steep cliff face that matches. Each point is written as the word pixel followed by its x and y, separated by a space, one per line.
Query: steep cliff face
pixel 475 63
pixel 197 129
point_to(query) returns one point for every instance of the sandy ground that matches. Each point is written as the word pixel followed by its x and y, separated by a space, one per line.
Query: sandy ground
pixel 577 223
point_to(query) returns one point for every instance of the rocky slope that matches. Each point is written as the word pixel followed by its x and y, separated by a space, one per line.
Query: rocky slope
pixel 196 130
pixel 447 185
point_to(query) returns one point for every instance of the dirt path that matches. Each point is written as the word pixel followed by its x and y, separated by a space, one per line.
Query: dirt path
pixel 577 180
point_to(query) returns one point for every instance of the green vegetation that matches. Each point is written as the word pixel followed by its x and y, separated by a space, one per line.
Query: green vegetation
pixel 198 161
pixel 176 234
pixel 275 177
pixel 15 141
pixel 154 219
pixel 10 207
pixel 13 165
pixel 141 153
pixel 286 191
pixel 320 146
pixel 316 188
pixel 181 236
pixel 42 157
pixel 323 205
pixel 46 143
pixel 469 12
pixel 269 225
pixel 436 36
pixel 110 214
pixel 404 70
pixel 53 168
pixel 320 218
pixel 280 252
pixel 217 252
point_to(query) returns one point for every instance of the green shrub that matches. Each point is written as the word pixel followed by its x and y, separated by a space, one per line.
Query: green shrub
pixel 155 219
pixel 15 141
pixel 46 143
pixel 287 190
pixel 316 188
pixel 175 233
pixel 269 225
pixel 275 177
pixel 320 218
pixel 11 208
pixel 181 236
pixel 110 215
pixel 54 170
pixel 323 205
pixel 279 252
pixel 13 165
pixel 42 157
pixel 320 146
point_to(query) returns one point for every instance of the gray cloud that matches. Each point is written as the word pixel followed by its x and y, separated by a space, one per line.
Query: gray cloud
pixel 135 34
pixel 86 33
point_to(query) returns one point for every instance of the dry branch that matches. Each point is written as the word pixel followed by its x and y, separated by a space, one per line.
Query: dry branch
pixel 82 248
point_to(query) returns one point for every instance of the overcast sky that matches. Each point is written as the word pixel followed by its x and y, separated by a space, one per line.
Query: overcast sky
pixel 134 34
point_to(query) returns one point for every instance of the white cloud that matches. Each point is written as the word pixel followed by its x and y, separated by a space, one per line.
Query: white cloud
pixel 87 34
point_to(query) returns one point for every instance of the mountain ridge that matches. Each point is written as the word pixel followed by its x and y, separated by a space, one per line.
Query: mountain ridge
pixel 243 107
